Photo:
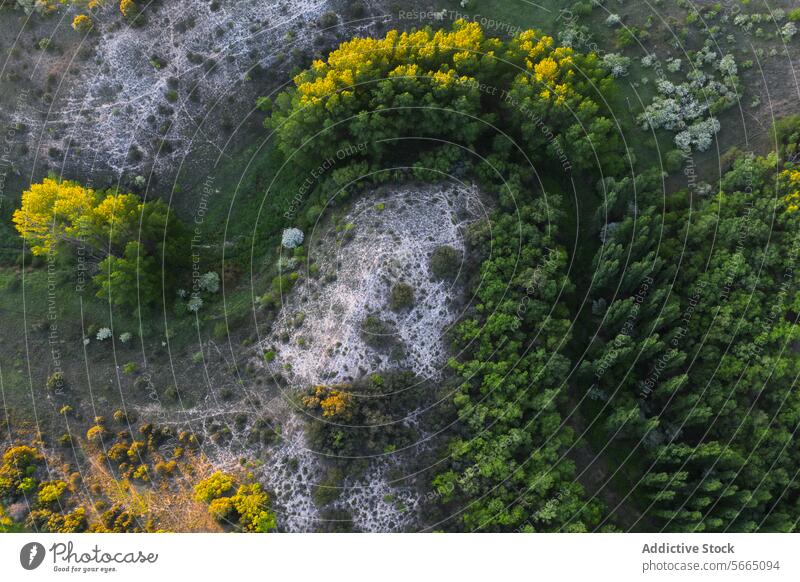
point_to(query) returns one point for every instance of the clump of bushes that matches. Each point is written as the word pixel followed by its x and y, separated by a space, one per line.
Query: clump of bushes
pixel 17 474
pixel 402 297
pixel 377 333
pixel 364 414
pixel 246 505
pixel 56 383
pixel 82 23
pixel 50 492
pixel 445 262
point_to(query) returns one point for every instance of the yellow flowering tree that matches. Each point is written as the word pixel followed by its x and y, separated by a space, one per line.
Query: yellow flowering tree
pixel 127 237
pixel 456 85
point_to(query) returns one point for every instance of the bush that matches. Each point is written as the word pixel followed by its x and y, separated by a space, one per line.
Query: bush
pixel 96 434
pixel 166 468
pixel 19 464
pixel 220 331
pixel 377 333
pixel 368 407
pixel 51 491
pixel 210 488
pixel 328 19
pixel 128 8
pixel 82 23
pixel 56 383
pixel 329 489
pixel 249 506
pixel 445 262
pixel 673 160
pixel 402 297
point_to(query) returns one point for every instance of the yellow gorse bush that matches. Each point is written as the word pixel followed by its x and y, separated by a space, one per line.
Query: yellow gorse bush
pixel 332 400
pixel 792 199
pixel 82 23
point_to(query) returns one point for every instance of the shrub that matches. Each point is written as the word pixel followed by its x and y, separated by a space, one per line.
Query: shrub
pixel 249 506
pixel 51 491
pixel 19 463
pixel 103 334
pixel 329 489
pixel 402 297
pixel 445 262
pixel 118 452
pixel 96 434
pixel 82 23
pixel 220 330
pixel 46 520
pixel 332 401
pixel 129 368
pixel 210 488
pixel 126 337
pixel 377 333
pixel 328 19
pixel 252 505
pixel 128 8
pixel 56 383
pixel 222 509
pixel 673 160
pixel 141 473
pixel 171 393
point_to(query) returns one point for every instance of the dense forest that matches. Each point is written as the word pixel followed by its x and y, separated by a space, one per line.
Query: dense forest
pixel 691 328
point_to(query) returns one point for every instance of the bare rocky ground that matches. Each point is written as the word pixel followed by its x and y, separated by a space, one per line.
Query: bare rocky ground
pixel 388 237
pixel 173 93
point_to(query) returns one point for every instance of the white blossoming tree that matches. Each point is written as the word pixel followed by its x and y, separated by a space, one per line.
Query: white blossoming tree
pixel 616 63
pixel 292 237
pixel 209 282
pixel 194 304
